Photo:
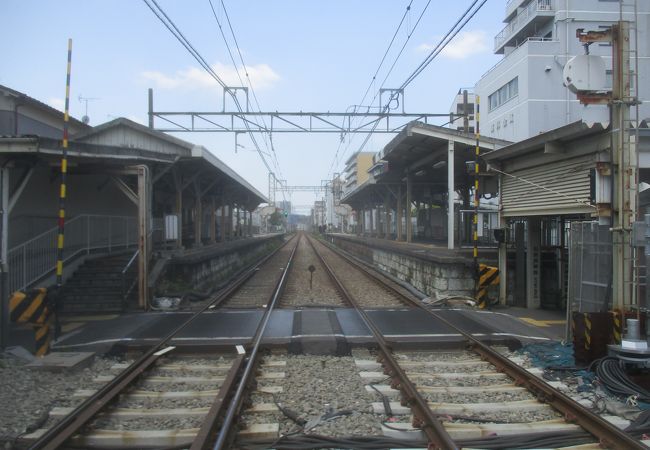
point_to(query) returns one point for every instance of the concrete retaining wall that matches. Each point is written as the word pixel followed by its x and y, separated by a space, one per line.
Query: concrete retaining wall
pixel 206 269
pixel 436 278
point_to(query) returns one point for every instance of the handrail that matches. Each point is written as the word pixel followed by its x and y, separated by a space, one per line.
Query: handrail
pixel 35 258
pixel 128 265
pixel 125 291
pixel 521 19
pixel 67 224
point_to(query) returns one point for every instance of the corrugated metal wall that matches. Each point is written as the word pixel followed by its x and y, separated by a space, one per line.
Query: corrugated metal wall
pixel 551 189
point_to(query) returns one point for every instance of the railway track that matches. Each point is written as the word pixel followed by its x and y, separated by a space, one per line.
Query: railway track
pixel 379 397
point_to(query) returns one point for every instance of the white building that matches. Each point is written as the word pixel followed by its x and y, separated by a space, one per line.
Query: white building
pixel 523 95
pixel 458 108
pixel 332 200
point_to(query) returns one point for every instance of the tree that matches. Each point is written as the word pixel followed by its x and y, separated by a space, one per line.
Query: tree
pixel 276 219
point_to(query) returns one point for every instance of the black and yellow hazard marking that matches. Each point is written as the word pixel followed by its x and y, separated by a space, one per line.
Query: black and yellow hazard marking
pixel 487 276
pixel 43 337
pixel 617 327
pixel 64 171
pixel 32 307
pixel 477 155
pixel 28 307
pixel 588 326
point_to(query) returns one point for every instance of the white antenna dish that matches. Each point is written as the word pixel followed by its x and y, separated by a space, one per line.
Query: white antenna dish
pixel 585 73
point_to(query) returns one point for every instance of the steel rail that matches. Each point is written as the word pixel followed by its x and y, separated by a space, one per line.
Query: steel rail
pixel 236 401
pixel 82 414
pixel 607 434
pixel 432 427
pixel 344 293
pixel 216 410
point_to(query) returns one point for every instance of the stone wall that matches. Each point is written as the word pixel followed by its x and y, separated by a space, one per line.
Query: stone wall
pixel 207 269
pixel 436 278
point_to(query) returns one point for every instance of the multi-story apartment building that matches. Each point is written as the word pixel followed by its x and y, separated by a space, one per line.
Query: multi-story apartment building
pixel 356 170
pixel 523 95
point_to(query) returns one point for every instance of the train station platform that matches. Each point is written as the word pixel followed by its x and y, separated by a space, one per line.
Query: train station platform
pixel 331 331
pixel 430 268
pixel 431 250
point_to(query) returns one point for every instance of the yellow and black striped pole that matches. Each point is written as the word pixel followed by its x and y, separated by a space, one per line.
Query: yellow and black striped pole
pixel 64 171
pixel 477 155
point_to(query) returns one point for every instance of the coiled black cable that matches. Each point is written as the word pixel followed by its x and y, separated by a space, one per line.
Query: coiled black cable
pixel 611 373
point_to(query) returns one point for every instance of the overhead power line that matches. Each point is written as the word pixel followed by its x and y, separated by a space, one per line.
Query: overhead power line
pixel 444 41
pixel 374 77
pixel 274 155
pixel 453 31
pixel 171 26
pixel 245 69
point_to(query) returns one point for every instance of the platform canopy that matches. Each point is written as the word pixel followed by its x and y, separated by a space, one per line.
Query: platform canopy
pixel 422 164
pixel 111 147
pixel 423 151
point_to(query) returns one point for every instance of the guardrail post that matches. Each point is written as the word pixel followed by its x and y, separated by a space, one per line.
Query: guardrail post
pixel 109 234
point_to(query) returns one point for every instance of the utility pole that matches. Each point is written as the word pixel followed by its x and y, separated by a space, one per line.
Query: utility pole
pixel 626 168
pixel 624 158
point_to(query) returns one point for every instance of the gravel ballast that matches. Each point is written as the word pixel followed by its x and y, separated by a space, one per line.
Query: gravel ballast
pixel 27 395
pixel 314 385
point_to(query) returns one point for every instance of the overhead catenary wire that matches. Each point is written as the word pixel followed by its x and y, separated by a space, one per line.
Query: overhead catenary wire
pixel 371 84
pixel 245 69
pixel 269 146
pixel 171 26
pixel 467 15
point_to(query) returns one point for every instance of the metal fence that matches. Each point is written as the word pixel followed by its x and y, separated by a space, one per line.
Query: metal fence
pixel 487 222
pixel 590 265
pixel 34 259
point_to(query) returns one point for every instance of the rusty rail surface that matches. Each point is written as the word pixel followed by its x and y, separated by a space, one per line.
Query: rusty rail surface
pixel 223 437
pixel 607 434
pixel 432 427
pixel 72 424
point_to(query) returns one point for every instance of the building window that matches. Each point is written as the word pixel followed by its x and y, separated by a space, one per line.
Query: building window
pixel 504 94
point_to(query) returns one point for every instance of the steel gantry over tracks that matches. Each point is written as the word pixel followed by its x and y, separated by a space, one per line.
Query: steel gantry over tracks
pixel 370 120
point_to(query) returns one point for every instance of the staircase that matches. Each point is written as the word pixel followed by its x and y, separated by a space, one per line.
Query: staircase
pixel 97 286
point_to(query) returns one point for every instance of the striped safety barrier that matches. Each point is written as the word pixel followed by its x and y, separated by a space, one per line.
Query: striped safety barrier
pixel 32 307
pixel 617 327
pixel 487 276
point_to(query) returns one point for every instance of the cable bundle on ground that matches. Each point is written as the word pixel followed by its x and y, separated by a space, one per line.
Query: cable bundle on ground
pixel 611 374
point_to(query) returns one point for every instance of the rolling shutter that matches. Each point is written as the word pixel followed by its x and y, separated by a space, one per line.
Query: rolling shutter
pixel 558 188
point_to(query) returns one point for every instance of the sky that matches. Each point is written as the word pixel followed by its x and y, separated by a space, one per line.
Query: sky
pixel 302 55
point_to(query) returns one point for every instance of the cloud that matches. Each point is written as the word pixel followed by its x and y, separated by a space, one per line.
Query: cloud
pixel 57 103
pixel 262 76
pixel 464 45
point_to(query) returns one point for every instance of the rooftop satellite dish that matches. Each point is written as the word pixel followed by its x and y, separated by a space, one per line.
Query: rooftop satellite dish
pixel 85 119
pixel 585 73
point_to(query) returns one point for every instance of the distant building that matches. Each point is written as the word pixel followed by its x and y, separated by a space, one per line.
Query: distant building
pixel 523 95
pixel 332 201
pixel 458 107
pixel 356 170
pixel 318 213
